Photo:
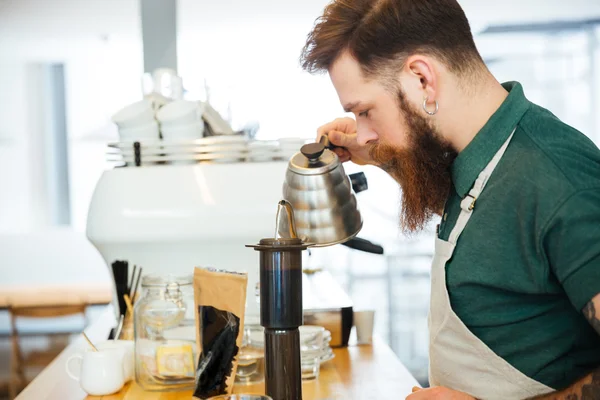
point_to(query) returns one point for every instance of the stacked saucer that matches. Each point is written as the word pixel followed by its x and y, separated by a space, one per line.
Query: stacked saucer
pixel 212 149
pixel 315 340
pixel 309 335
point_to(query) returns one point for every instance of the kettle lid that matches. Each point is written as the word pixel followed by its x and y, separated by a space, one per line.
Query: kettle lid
pixel 313 159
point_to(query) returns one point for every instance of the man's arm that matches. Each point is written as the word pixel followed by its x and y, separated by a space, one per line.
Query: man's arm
pixel 587 388
pixel 592 312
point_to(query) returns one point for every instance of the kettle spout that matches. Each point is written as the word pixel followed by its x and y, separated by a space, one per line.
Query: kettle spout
pixel 285 225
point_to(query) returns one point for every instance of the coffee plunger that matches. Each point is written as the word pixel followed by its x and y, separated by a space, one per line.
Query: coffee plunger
pixel 281 305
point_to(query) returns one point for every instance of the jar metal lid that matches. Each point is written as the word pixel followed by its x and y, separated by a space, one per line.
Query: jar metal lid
pixel 164 280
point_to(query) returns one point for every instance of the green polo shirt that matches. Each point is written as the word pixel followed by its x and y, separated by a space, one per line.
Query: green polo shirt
pixel 529 258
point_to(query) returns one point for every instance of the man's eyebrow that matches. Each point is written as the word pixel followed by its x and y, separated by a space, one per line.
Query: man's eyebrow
pixel 351 106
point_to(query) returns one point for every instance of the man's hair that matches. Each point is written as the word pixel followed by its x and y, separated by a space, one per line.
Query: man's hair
pixel 382 33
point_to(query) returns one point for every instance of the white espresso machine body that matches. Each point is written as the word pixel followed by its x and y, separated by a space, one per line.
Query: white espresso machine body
pixel 169 219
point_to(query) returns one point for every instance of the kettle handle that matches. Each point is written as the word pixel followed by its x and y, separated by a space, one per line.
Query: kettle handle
pixel 363 245
pixel 326 143
pixel 359 182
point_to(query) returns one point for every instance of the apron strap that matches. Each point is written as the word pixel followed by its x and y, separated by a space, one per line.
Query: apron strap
pixel 468 203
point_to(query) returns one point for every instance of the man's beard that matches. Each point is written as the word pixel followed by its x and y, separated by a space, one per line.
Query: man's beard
pixel 422 169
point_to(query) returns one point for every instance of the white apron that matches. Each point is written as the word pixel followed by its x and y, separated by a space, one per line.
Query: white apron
pixel 457 358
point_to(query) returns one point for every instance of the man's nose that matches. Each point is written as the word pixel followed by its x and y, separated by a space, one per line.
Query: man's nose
pixel 365 135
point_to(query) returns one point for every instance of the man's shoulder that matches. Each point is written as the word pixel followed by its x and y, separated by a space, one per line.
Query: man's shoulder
pixel 558 151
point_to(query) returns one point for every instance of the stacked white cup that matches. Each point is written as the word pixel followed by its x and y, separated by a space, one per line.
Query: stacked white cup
pixel 136 122
pixel 181 120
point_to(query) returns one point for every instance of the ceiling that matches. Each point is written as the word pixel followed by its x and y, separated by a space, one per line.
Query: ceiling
pixel 76 18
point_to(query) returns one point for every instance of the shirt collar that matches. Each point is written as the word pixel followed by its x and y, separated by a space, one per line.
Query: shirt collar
pixel 479 152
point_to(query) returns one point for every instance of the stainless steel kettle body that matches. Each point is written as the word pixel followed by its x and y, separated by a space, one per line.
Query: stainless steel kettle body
pixel 317 187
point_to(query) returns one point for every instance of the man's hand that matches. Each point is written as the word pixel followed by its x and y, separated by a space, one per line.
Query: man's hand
pixel 437 393
pixel 342 133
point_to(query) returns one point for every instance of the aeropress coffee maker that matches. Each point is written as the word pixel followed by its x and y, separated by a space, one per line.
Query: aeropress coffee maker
pixel 281 305
pixel 317 186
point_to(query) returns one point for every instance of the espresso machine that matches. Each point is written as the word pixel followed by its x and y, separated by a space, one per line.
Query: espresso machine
pixel 169 215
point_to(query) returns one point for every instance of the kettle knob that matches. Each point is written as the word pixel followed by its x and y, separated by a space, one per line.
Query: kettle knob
pixel 312 151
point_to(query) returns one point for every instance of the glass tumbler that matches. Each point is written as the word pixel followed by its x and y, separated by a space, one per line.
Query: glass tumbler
pixel 311 349
pixel 310 365
pixel 251 359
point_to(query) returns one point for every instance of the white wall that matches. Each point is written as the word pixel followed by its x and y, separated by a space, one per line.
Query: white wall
pixel 254 65
pixel 15 199
pixel 101 77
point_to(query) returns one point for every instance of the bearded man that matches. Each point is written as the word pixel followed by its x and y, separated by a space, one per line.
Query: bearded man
pixel 515 296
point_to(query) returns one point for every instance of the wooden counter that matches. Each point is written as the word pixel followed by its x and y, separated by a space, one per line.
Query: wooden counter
pixel 356 372
pixel 54 295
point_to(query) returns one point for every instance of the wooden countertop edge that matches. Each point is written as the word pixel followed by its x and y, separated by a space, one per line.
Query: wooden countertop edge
pixel 357 372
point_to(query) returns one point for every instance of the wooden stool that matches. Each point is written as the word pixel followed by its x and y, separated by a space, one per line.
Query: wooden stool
pixel 17 380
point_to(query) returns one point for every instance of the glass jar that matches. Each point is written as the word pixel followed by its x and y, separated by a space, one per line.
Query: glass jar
pixel 165 334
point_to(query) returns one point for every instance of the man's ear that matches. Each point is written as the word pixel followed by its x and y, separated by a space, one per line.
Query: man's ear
pixel 421 75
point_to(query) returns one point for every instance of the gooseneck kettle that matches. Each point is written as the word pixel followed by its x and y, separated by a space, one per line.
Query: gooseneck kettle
pixel 323 198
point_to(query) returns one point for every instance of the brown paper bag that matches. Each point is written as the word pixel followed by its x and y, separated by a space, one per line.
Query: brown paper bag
pixel 220 302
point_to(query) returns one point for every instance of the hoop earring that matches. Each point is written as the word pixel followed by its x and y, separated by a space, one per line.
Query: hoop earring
pixel 437 107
